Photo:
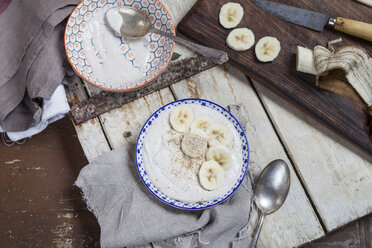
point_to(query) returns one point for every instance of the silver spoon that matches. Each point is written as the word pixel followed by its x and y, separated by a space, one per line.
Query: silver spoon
pixel 271 190
pixel 137 24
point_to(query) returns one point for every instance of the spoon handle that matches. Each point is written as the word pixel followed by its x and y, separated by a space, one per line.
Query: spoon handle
pixel 217 56
pixel 257 230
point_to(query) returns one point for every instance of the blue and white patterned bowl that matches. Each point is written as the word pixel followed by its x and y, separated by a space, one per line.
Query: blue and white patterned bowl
pixel 158 54
pixel 191 205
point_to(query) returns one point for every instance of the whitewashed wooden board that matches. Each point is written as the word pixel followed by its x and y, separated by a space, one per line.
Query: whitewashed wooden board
pixel 337 175
pixel 91 136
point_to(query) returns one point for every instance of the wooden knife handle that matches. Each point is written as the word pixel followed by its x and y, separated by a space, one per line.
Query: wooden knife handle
pixel 355 28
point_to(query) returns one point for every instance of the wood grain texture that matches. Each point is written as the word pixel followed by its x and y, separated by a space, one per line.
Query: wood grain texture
pixel 337 112
pixel 104 101
pixel 91 135
pixel 337 175
pixel 295 223
pixel 39 207
pixel 122 125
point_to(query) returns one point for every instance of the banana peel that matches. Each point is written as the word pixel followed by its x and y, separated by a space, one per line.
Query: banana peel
pixel 346 71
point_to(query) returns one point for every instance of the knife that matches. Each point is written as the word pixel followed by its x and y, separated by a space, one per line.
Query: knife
pixel 314 20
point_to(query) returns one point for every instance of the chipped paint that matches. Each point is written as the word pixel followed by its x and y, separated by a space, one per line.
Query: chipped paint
pixel 66 216
pixel 62 233
pixel 192 87
pixel 13 161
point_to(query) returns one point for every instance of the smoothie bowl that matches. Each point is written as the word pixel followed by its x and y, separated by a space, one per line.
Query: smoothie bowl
pixel 192 154
pixel 103 58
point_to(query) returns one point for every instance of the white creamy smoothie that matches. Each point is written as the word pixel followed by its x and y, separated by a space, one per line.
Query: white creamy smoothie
pixel 105 52
pixel 174 173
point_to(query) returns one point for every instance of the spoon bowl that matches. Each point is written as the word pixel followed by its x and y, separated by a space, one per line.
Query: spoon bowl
pixel 271 190
pixel 272 187
pixel 137 24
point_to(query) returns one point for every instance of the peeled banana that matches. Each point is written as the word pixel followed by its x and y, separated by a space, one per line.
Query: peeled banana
pixel 211 175
pixel 181 118
pixel 240 39
pixel 267 49
pixel 219 135
pixel 193 145
pixel 231 14
pixel 221 154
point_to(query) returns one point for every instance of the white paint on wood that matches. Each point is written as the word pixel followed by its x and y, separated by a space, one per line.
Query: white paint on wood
pixel 90 134
pixel 295 223
pixel 337 175
pixel 122 125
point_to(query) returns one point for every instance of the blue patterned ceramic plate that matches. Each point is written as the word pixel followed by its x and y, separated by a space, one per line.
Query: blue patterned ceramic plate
pixel 242 146
pixel 109 61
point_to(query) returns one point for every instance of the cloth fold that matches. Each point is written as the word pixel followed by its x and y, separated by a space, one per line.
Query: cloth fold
pixel 129 214
pixel 54 109
pixel 32 42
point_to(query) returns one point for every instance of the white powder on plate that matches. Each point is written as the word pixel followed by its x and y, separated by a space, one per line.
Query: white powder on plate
pixel 103 52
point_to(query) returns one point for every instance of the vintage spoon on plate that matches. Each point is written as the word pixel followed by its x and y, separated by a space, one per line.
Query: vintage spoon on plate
pixel 137 24
pixel 270 191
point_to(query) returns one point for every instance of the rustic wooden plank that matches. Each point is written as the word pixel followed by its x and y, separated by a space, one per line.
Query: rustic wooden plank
pixel 337 175
pixel 104 101
pixel 295 223
pixel 39 207
pixel 339 113
pixel 122 125
pixel 91 136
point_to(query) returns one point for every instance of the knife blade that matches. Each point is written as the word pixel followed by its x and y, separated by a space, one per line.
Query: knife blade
pixel 315 20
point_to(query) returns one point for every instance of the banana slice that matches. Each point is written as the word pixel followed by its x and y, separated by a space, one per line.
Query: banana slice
pixel 231 14
pixel 267 49
pixel 219 135
pixel 221 155
pixel 200 125
pixel 240 39
pixel 193 145
pixel 211 175
pixel 181 118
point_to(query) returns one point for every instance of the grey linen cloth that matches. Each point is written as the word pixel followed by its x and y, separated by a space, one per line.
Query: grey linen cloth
pixel 33 61
pixel 129 214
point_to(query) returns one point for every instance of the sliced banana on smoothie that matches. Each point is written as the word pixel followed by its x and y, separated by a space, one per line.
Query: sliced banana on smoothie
pixel 211 175
pixel 221 154
pixel 193 145
pixel 181 118
pixel 200 125
pixel 267 49
pixel 231 14
pixel 240 39
pixel 219 135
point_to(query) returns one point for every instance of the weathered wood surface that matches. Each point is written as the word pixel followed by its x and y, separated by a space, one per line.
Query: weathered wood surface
pixel 122 126
pixel 336 174
pixel 357 234
pixel 295 223
pixel 104 101
pixel 213 85
pixel 90 134
pixel 39 206
pixel 339 113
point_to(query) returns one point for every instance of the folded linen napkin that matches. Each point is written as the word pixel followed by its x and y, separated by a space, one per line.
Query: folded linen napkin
pixel 32 42
pixel 129 214
pixel 53 110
